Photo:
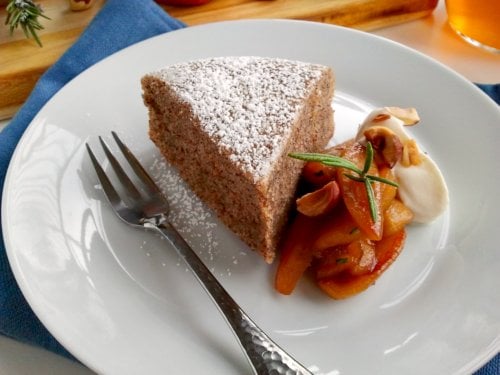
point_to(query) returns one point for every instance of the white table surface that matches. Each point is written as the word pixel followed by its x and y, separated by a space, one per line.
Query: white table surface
pixel 431 36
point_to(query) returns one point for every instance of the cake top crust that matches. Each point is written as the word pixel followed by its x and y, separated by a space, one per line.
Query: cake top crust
pixel 247 105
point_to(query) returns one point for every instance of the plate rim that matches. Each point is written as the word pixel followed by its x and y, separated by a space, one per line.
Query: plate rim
pixel 488 354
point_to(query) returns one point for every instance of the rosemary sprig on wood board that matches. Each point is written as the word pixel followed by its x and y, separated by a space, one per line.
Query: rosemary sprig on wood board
pixel 25 14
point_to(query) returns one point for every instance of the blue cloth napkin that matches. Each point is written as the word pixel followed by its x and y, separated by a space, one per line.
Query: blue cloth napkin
pixel 492 90
pixel 119 24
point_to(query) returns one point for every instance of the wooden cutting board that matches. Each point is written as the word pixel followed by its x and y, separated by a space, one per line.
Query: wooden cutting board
pixel 22 62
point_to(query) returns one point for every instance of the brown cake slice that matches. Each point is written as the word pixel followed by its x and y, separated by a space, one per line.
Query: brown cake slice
pixel 227 124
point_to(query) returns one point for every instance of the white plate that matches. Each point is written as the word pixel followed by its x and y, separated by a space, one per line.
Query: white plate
pixel 122 302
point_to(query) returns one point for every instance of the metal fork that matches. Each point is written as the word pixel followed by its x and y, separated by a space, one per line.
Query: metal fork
pixel 150 211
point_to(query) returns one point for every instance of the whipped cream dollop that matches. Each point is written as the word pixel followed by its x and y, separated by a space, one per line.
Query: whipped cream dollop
pixel 422 187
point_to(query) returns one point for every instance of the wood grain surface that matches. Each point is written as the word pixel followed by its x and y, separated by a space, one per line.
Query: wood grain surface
pixel 22 62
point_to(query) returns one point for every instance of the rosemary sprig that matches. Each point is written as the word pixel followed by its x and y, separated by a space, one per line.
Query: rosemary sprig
pixel 371 199
pixel 330 160
pixel 361 174
pixel 25 13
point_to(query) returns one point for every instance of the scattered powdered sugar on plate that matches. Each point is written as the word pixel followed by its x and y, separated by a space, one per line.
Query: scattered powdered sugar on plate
pixel 197 224
pixel 192 219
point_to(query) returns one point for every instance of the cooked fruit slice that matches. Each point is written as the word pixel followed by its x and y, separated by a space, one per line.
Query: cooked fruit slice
pixel 317 173
pixel 357 258
pixel 355 194
pixel 396 217
pixel 321 201
pixel 296 253
pixel 339 228
pixel 345 284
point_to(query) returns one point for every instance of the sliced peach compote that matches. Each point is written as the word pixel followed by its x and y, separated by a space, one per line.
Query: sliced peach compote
pixel 351 223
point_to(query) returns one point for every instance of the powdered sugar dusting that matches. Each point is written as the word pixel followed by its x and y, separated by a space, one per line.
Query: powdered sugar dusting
pixel 245 104
pixel 197 224
pixel 187 214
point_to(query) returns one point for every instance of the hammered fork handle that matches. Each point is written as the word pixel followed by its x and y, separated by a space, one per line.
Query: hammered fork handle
pixel 264 354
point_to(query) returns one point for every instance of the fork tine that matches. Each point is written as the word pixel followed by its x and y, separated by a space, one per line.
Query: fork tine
pixel 137 167
pixel 120 173
pixel 108 188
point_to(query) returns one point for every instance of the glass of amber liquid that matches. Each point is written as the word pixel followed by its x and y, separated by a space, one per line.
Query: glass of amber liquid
pixel 476 21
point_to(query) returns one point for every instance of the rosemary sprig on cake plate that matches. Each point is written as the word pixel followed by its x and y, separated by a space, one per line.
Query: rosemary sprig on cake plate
pixel 361 176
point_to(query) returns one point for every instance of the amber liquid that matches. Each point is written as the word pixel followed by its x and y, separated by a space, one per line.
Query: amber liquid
pixel 478 20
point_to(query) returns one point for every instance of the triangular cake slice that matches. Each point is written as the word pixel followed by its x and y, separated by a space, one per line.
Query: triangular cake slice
pixel 228 123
